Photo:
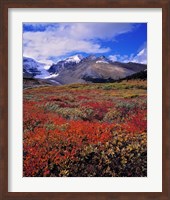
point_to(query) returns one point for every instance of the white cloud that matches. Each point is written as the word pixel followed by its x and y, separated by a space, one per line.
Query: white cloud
pixel 113 58
pixel 61 39
pixel 120 58
pixel 140 57
pixel 96 30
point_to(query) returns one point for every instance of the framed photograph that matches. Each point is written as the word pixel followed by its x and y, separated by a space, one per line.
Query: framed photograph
pixel 84 99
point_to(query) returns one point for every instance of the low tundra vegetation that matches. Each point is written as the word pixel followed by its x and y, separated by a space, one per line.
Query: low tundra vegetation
pixel 85 130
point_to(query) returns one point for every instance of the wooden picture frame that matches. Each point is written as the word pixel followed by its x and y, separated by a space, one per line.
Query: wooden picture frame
pixel 4 5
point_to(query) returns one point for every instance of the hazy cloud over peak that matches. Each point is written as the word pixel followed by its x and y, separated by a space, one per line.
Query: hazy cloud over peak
pixel 140 57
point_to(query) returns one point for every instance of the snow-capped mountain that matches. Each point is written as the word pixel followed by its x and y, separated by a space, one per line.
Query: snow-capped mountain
pixel 93 69
pixel 66 63
pixel 74 59
pixel 102 59
pixel 77 69
pixel 32 68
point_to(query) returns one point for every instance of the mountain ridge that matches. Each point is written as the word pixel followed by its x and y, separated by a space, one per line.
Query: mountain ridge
pixel 79 69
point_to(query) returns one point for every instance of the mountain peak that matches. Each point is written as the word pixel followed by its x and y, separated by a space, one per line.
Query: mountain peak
pixel 91 57
pixel 102 57
pixel 76 58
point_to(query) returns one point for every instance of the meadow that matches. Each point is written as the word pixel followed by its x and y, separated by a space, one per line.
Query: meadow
pixel 85 130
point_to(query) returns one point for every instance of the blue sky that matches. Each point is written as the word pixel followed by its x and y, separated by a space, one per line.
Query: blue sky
pixel 50 42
